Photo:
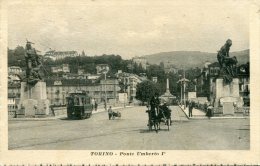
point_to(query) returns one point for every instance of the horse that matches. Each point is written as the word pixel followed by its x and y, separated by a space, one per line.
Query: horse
pixel 158 115
pixel 153 119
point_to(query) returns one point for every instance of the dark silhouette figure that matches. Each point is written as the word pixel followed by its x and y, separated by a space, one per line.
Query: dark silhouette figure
pixel 190 108
pixel 33 64
pixel 227 63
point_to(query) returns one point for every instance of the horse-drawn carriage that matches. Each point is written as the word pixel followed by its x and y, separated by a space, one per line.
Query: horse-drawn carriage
pixel 160 114
pixel 116 114
pixel 79 106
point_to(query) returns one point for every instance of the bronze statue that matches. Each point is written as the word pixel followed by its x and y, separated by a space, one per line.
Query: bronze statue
pixel 227 63
pixel 33 64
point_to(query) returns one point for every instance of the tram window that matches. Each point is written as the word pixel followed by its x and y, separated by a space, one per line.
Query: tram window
pixel 76 101
pixel 83 100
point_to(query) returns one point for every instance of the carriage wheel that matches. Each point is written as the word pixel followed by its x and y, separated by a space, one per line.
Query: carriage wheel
pixel 150 125
pixel 156 124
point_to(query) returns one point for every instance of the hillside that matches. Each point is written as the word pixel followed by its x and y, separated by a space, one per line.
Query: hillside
pixel 192 58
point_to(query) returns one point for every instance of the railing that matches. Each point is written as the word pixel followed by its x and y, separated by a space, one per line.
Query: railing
pixel 243 110
pixel 218 110
pixel 11 114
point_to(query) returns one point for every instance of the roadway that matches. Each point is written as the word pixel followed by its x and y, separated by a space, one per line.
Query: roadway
pixel 130 132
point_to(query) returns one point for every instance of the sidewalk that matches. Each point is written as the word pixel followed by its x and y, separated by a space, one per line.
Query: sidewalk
pixel 198 114
pixel 62 116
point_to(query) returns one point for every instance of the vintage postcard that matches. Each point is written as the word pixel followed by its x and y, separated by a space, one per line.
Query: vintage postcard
pixel 129 82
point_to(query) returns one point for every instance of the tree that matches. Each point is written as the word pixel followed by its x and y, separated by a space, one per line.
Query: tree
pixel 16 57
pixel 145 90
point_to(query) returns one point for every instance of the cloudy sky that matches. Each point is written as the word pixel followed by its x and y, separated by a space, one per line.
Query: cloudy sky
pixel 129 28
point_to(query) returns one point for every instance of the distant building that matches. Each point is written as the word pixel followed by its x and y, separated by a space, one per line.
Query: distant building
pixel 243 73
pixel 63 68
pixel 56 69
pixel 13 79
pixel 14 70
pixel 93 78
pixel 57 91
pixel 14 93
pixel 140 60
pixel 133 81
pixel 213 69
pixel 130 81
pixel 57 55
pixel 101 68
pixel 71 76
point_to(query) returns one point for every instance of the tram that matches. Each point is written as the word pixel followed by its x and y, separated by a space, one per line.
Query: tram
pixel 79 106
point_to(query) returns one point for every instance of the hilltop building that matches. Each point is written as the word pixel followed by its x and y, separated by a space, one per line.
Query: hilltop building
pixel 57 55
pixel 140 60
pixel 101 68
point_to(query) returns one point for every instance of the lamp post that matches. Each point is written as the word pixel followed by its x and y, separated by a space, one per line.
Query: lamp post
pixel 184 87
pixel 104 71
pixel 180 81
pixel 125 86
pixel 105 90
pixel 183 81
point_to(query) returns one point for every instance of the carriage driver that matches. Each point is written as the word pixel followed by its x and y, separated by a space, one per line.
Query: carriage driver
pixel 155 102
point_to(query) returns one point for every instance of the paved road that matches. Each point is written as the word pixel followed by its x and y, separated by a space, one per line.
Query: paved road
pixel 129 132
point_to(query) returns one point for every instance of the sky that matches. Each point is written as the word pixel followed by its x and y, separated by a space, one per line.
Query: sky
pixel 129 28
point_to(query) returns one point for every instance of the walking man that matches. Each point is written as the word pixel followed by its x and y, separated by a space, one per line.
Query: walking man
pixel 110 113
pixel 190 108
pixel 96 105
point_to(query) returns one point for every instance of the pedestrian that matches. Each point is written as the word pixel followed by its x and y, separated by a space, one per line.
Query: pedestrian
pixel 110 112
pixel 209 113
pixel 52 110
pixel 96 105
pixel 105 105
pixel 93 103
pixel 190 108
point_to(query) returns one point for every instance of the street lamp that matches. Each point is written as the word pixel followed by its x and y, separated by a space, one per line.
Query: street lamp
pixel 180 81
pixel 104 71
pixel 105 90
pixel 183 81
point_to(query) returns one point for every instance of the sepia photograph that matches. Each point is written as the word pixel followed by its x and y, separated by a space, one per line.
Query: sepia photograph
pixel 128 78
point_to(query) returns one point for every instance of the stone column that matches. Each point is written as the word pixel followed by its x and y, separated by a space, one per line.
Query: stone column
pixel 167 86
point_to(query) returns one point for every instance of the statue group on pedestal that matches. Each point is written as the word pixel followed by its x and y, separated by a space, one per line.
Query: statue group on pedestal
pixel 33 64
pixel 227 63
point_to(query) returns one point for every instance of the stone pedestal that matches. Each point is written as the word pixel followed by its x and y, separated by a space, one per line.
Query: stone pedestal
pixel 34 99
pixel 227 90
pixel 228 108
pixel 227 94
